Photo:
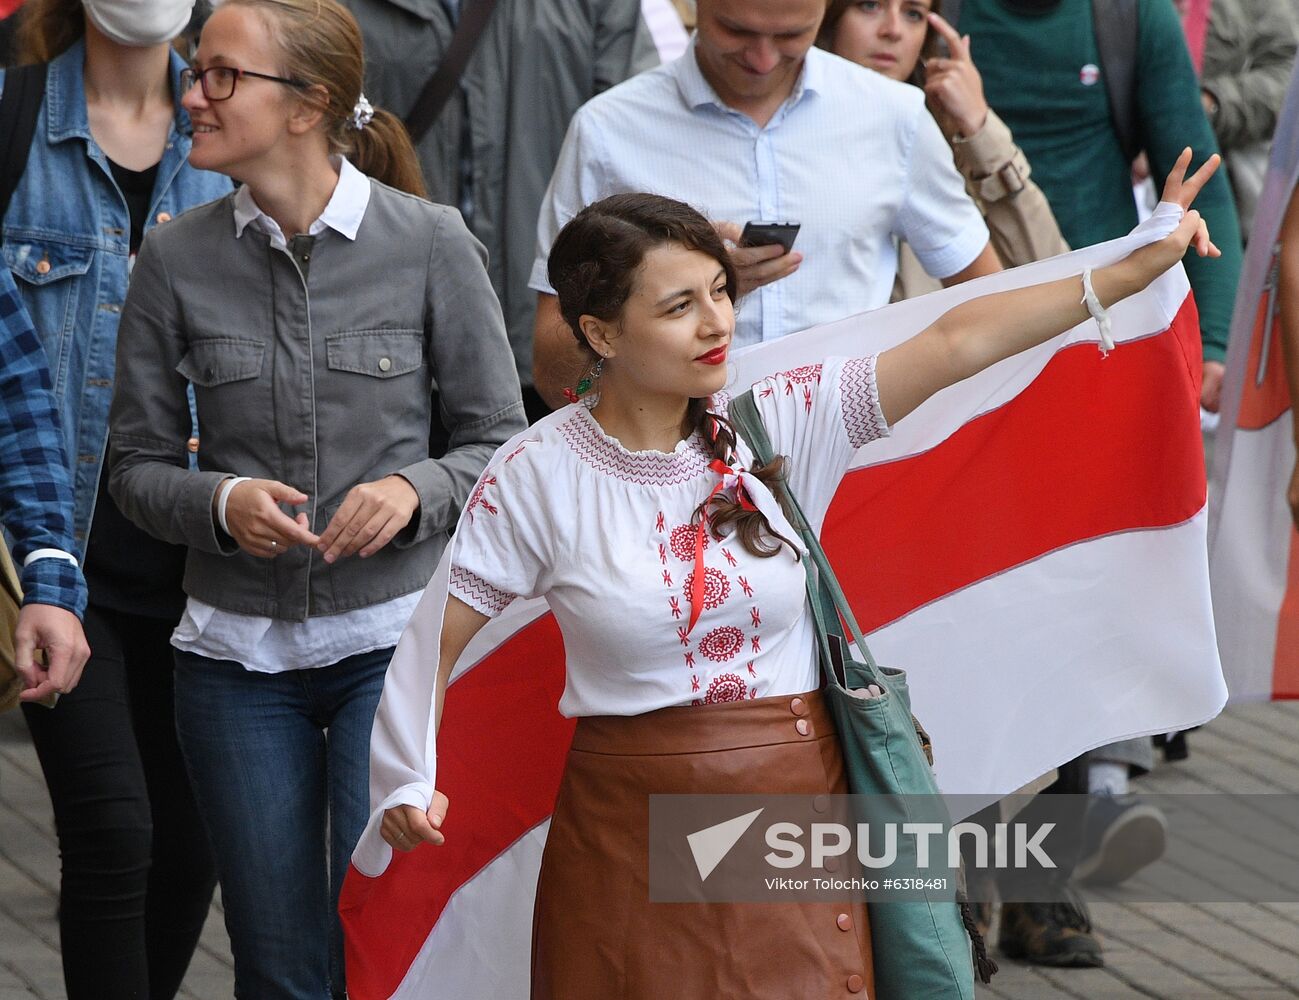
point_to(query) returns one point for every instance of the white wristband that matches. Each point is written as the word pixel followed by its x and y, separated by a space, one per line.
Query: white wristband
pixel 1099 313
pixel 35 554
pixel 226 488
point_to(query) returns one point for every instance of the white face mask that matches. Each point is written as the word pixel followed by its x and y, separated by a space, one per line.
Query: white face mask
pixel 139 23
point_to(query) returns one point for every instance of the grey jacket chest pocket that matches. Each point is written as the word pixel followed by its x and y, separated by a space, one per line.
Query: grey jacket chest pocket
pixel 224 359
pixel 378 353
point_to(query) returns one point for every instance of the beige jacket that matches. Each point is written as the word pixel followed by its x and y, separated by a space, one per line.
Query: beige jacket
pixel 1019 219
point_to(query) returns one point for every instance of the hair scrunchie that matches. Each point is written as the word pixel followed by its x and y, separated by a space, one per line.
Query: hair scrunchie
pixel 362 113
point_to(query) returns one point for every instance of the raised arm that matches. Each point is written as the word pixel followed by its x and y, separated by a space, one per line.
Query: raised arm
pixel 405 827
pixel 983 331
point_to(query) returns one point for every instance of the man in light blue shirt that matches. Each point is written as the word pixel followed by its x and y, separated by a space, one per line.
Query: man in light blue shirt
pixel 754 124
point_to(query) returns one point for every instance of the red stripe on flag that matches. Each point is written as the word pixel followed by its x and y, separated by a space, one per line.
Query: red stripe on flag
pixel 501 751
pixel 1285 667
pixel 1054 466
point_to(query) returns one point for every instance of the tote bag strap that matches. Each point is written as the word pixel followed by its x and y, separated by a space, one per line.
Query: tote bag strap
pixel 828 602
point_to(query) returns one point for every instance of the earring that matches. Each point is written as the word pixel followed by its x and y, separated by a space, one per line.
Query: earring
pixel 584 386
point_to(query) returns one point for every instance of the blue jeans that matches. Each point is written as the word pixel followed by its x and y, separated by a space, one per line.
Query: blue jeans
pixel 280 769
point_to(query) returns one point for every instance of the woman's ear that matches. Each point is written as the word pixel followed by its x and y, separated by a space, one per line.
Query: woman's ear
pixel 309 110
pixel 597 333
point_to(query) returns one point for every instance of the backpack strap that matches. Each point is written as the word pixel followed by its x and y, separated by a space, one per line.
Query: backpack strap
pixel 474 16
pixel 1117 37
pixel 20 106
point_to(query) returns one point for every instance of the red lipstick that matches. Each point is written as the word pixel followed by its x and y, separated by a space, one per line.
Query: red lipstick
pixel 714 357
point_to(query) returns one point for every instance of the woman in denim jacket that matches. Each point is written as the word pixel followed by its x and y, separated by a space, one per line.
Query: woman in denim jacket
pixel 108 163
pixel 313 311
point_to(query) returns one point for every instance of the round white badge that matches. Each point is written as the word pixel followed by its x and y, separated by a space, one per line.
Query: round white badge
pixel 1089 74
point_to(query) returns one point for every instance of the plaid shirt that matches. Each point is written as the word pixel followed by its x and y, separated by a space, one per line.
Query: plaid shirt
pixel 35 488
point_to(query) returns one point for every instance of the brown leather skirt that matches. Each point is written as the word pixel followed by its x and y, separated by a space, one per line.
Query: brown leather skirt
pixel 596 935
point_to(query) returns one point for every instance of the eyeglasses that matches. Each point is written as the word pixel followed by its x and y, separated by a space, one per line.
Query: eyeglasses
pixel 218 82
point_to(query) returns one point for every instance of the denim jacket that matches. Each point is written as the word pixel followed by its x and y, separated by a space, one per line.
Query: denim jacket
pixel 66 241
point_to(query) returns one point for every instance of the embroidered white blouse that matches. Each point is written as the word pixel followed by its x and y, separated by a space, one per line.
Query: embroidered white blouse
pixel 605 535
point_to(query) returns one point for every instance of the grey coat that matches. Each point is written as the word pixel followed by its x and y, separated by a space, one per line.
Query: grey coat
pixel 320 383
pixel 537 62
pixel 1248 56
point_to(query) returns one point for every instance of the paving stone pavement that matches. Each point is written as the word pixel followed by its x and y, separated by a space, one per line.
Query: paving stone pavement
pixel 1167 951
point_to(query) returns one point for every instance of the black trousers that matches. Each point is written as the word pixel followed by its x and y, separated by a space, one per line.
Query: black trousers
pixel 137 870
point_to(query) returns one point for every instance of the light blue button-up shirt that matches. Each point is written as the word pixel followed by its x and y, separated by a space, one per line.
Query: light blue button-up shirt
pixel 851 155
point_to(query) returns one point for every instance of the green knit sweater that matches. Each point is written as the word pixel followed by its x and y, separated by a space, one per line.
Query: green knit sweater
pixel 1041 74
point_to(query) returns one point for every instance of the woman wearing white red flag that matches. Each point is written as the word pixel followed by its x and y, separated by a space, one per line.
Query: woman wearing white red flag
pixel 671 570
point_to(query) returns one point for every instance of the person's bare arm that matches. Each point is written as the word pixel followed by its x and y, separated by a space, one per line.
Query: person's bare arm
pixel 405 827
pixel 557 359
pixel 1288 291
pixel 986 263
pixel 982 331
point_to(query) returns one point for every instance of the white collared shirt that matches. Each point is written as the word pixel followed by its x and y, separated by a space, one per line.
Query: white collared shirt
pixel 343 213
pixel 851 155
pixel 270 645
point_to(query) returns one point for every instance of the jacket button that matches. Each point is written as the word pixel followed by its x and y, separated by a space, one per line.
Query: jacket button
pixel 163 217
pixel 385 364
pixel 855 984
pixel 844 922
pixel 42 267
pixel 803 726
pixel 192 445
pixel 798 706
pixel 209 372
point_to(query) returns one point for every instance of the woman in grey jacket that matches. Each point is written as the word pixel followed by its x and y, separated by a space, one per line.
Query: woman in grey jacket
pixel 313 311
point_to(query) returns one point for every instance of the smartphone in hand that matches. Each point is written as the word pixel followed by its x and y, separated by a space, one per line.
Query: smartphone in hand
pixel 763 234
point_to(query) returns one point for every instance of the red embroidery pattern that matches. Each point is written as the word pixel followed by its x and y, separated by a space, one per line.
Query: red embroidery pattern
pixel 683 635
pixel 752 672
pixel 476 498
pixel 716 587
pixel 658 524
pixel 721 644
pixel 694 683
pixel 667 578
pixel 726 687
pixel 683 542
pixel 767 393
pixel 807 397
pixel 756 617
pixel 744 586
pixel 757 643
pixel 478 593
pixel 690 659
pixel 517 451
pixel 862 417
pixel 675 605
pixel 729 558
pixel 650 468
pixel 803 375
pixel 663 554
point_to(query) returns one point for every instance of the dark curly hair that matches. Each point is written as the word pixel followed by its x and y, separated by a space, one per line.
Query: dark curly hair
pixel 592 268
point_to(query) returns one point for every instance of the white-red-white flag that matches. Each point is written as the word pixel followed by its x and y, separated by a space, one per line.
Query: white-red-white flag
pixel 1028 544
pixel 1253 546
